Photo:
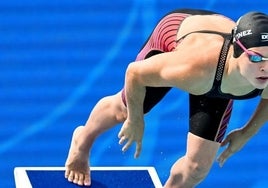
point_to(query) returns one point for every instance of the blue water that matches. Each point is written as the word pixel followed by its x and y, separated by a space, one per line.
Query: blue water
pixel 58 58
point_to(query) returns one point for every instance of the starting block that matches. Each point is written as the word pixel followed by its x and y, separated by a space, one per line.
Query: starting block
pixel 101 177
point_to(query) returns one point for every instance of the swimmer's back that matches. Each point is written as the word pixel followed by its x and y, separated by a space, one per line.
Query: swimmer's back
pixel 213 22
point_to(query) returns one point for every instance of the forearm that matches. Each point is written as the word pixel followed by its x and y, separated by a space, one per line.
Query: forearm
pixel 135 93
pixel 258 119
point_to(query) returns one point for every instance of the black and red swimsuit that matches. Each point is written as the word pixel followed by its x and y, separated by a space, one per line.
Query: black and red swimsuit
pixel 209 113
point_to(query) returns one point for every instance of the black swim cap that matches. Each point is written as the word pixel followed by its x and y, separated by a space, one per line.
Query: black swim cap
pixel 251 30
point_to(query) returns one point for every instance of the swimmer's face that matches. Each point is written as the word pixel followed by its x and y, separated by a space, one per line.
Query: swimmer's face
pixel 255 66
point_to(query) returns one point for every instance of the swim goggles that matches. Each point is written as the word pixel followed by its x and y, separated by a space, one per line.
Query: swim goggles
pixel 254 57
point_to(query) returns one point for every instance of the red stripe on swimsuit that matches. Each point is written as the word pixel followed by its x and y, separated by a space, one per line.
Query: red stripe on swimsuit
pixel 224 122
pixel 164 35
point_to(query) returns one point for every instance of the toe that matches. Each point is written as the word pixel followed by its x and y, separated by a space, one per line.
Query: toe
pixel 71 176
pixel 76 178
pixel 87 180
pixel 81 179
pixel 67 173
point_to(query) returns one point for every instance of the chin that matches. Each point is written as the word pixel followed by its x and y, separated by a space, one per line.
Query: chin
pixel 260 85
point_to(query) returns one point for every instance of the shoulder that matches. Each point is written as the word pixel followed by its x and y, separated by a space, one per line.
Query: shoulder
pixel 194 62
pixel 200 49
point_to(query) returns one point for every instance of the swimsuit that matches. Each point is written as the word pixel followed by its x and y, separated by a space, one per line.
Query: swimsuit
pixel 209 113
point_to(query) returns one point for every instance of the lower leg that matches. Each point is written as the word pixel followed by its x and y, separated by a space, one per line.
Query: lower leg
pixel 108 112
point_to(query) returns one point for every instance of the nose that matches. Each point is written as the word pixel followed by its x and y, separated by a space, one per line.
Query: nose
pixel 264 68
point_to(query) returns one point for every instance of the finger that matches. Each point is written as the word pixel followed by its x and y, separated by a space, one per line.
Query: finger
pixel 224 156
pixel 225 141
pixel 122 140
pixel 127 145
pixel 138 150
pixel 120 134
pixel 221 161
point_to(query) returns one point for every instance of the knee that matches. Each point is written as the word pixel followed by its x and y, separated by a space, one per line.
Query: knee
pixel 198 171
pixel 121 116
pixel 115 107
pixel 191 172
pixel 120 108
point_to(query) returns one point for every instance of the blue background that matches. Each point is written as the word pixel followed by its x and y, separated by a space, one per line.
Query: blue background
pixel 58 58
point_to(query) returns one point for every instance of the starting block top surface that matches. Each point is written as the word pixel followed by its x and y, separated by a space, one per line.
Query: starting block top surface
pixel 101 177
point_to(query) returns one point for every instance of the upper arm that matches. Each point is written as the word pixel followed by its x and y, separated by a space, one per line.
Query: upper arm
pixel 172 69
pixel 158 70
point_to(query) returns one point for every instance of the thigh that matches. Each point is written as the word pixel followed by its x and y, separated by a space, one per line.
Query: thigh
pixel 209 117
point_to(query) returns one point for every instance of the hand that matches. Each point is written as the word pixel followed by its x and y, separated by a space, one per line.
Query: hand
pixel 234 141
pixel 129 133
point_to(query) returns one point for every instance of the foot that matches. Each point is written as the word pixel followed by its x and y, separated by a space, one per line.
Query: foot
pixel 77 165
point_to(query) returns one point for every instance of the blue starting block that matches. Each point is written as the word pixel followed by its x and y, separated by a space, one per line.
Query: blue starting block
pixel 101 177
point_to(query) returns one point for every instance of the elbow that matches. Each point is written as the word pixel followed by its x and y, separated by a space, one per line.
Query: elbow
pixel 134 76
pixel 131 73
